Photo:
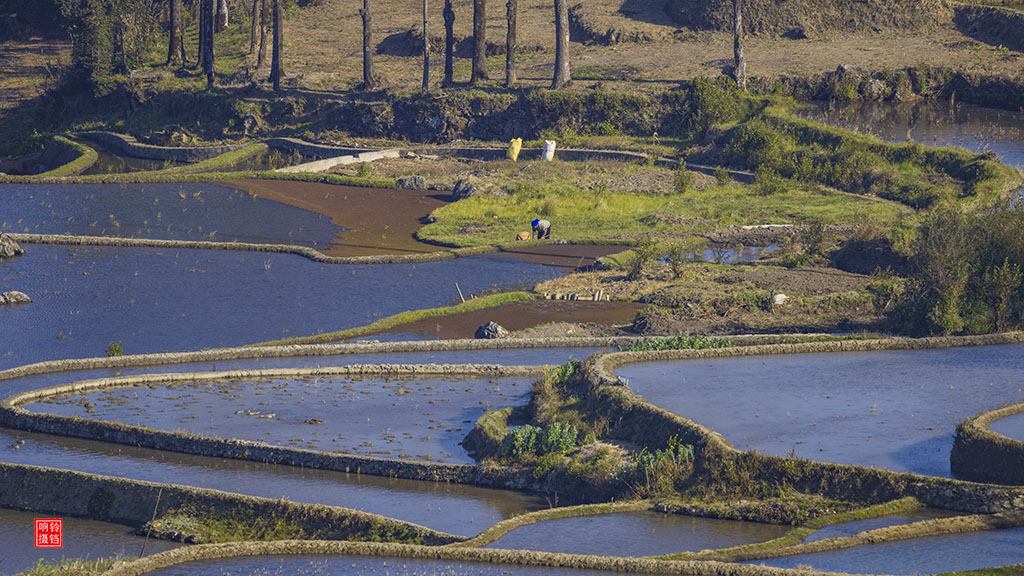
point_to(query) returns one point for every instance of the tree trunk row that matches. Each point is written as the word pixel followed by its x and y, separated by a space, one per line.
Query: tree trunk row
pixel 276 63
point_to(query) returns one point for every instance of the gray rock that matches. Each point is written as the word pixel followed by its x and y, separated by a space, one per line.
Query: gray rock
pixel 14 298
pixel 9 248
pixel 413 183
pixel 465 188
pixel 873 89
pixel 490 331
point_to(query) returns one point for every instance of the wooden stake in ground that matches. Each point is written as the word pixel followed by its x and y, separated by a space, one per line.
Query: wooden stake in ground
pixel 368 80
pixel 426 50
pixel 176 44
pixel 562 74
pixel 277 58
pixel 449 43
pixel 510 44
pixel 222 15
pixel 208 55
pixel 479 41
pixel 740 64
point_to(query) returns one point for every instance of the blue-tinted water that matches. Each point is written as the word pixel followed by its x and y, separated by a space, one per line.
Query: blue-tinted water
pixel 949 553
pixel 154 300
pixel 1011 426
pixel 858 526
pixel 896 410
pixel 187 211
pixel 635 534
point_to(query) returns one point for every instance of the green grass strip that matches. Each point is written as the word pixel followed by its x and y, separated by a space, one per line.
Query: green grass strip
pixel 505 526
pixel 481 303
pixel 219 163
pixel 174 177
pixel 86 158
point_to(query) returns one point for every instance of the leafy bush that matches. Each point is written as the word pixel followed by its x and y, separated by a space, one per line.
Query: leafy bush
pixel 115 349
pixel 648 473
pixel 644 253
pixel 676 256
pixel 768 181
pixel 755 144
pixel 684 180
pixel 683 342
pixel 722 176
pixel 711 102
pixel 556 438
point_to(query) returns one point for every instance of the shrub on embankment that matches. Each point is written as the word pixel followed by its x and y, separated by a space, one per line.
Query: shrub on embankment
pixel 982 455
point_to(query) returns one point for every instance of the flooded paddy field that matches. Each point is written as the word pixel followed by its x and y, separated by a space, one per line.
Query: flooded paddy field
pixel 454 508
pixel 185 211
pixel 896 410
pixel 857 526
pixel 154 300
pixel 420 418
pixel 929 555
pixel 635 534
pixel 359 566
pixel 1011 426
pixel 82 539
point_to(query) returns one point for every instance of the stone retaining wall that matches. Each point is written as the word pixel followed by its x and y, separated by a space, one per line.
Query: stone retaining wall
pixel 130 147
pixel 312 149
pixel 718 461
pixel 134 503
pixel 982 455
pixel 12 416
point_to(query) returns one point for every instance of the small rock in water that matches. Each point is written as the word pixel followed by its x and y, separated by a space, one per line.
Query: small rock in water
pixel 9 248
pixel 491 330
pixel 413 183
pixel 14 298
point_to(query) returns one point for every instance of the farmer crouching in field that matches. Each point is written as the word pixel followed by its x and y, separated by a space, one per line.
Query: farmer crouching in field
pixel 542 229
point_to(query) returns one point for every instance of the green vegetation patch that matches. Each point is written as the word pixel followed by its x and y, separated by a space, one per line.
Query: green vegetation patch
pixel 86 157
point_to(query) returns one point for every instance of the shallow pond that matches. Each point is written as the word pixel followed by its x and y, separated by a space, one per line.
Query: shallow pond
pixel 858 526
pixel 1011 426
pixel 359 566
pixel 948 553
pixel 896 409
pixel 453 508
pixel 635 534
pixel 186 211
pixel 82 539
pixel 154 300
pixel 419 418
pixel 110 162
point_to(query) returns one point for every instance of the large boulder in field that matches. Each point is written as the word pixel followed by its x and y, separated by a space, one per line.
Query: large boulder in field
pixel 14 298
pixel 413 183
pixel 9 248
pixel 466 188
pixel 490 331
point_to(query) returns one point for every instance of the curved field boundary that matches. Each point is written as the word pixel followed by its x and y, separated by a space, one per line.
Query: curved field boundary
pixel 982 455
pixel 722 466
pixel 311 350
pixel 85 157
pixel 135 502
pixel 12 416
pixel 509 557
pixel 129 146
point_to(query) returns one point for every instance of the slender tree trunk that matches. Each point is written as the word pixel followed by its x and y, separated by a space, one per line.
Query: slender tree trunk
pixel 208 53
pixel 479 41
pixel 562 73
pixel 222 15
pixel 175 41
pixel 740 70
pixel 426 49
pixel 261 53
pixel 449 43
pixel 510 44
pixel 276 62
pixel 201 53
pixel 253 37
pixel 369 83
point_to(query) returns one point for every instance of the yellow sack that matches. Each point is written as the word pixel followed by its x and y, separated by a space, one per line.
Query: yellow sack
pixel 523 236
pixel 513 149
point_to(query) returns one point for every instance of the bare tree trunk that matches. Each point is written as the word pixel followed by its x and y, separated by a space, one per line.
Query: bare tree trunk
pixel 369 83
pixel 276 62
pixel 426 49
pixel 253 37
pixel 479 41
pixel 449 43
pixel 201 53
pixel 261 54
pixel 740 70
pixel 222 15
pixel 510 44
pixel 208 53
pixel 562 73
pixel 176 42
